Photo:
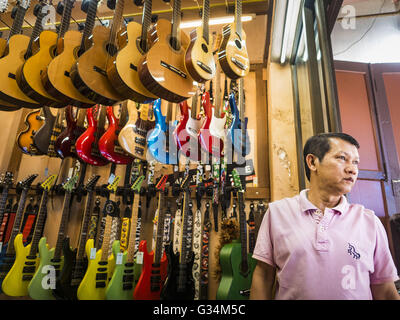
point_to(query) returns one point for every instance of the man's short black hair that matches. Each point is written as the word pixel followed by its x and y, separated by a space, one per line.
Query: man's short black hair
pixel 319 145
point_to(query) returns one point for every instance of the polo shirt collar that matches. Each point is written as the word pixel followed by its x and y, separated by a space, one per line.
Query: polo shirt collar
pixel 307 206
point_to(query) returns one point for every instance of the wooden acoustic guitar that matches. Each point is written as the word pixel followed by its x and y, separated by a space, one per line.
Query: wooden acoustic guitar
pixel 123 69
pixel 232 55
pixel 56 79
pixel 89 73
pixel 199 57
pixel 162 70
pixel 34 121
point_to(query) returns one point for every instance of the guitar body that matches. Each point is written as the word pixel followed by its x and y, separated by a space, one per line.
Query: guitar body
pixel 29 78
pixel 57 80
pixel 10 64
pixel 84 143
pixel 3 46
pixel 25 137
pixel 170 289
pixel 232 55
pixel 16 282
pixel 232 280
pixel 6 262
pixel 199 58
pixel 89 75
pixel 41 139
pixel 35 288
pixel 123 72
pixel 143 289
pixel 180 133
pixel 162 70
pixel 234 132
pixel 108 143
pixel 90 288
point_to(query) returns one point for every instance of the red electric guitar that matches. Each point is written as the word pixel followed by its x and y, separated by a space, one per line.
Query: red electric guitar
pixel 155 264
pixel 108 144
pixel 87 144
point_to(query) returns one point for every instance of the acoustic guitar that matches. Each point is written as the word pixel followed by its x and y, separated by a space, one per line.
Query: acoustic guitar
pixel 18 46
pixel 232 55
pixel 199 57
pixel 3 42
pixel 123 68
pixel 89 73
pixel 34 121
pixel 162 70
pixel 56 79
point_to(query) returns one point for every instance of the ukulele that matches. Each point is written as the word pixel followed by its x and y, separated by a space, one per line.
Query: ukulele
pixel 199 57
pixel 65 142
pixel 75 264
pixel 29 76
pixel 132 137
pixel 236 263
pixel 34 122
pixel 237 133
pixel 108 143
pixel 41 138
pixel 158 140
pixel 162 70
pixel 123 69
pixel 122 284
pixel 89 73
pixel 101 265
pixel 7 254
pixel 180 283
pixel 16 282
pixel 52 257
pixel 87 144
pixel 56 79
pixel 232 55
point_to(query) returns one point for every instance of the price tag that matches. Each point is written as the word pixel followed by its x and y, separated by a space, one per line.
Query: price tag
pixel 139 257
pixel 119 258
pixel 92 253
pixel 111 178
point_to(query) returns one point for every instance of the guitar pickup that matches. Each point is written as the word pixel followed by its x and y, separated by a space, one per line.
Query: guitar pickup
pixel 238 63
pixel 28 270
pixel 127 278
pixel 27 277
pixel 139 151
pixel 101 276
pixel 128 271
pixel 204 67
pixel 140 141
pixel 127 286
pixel 100 284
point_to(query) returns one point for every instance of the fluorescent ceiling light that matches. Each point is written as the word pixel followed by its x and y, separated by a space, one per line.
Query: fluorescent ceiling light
pixel 214 21
pixel 291 18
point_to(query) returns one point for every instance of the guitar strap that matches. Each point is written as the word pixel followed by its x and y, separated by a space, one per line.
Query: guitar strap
pixel 203 292
pixel 177 226
pixel 114 232
pixel 154 235
pixel 167 226
pixel 197 252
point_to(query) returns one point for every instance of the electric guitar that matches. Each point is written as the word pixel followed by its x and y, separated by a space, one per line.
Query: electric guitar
pixel 132 137
pixel 232 55
pixel 108 143
pixel 251 226
pixel 52 260
pixel 34 122
pixel 162 70
pixel 122 284
pixel 41 138
pixel 16 282
pixel 55 132
pixel 87 144
pixel 89 73
pixel 101 265
pixel 123 72
pixel 154 270
pixel 75 263
pixel 6 181
pixel 180 283
pixel 57 79
pixel 236 263
pixel 199 57
pixel 7 255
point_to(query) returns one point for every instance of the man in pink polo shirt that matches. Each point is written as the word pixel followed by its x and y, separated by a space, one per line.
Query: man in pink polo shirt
pixel 317 244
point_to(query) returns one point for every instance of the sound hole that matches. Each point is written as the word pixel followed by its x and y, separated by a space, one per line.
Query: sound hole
pixel 174 43
pixel 238 44
pixel 204 47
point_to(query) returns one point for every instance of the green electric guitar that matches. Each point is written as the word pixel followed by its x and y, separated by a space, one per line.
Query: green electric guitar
pixel 122 283
pixel 51 261
pixel 237 264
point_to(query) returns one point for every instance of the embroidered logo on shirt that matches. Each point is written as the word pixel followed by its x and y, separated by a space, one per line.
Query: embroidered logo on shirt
pixel 352 251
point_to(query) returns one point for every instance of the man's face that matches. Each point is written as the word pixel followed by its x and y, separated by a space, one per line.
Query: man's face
pixel 337 172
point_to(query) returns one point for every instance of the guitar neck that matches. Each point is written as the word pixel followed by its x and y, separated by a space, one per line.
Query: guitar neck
pixel 206 19
pixel 63 223
pixel 176 20
pixel 18 21
pixel 3 201
pixel 84 227
pixel 186 233
pixel 243 232
pixel 37 29
pixel 146 21
pixel 40 220
pixel 105 246
pixel 89 23
pixel 66 17
pixel 238 17
pixel 132 232
pixel 116 24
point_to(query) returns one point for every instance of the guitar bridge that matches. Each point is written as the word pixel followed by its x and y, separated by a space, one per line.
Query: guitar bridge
pixel 173 69
pixel 204 67
pixel 99 70
pixel 238 63
pixel 139 151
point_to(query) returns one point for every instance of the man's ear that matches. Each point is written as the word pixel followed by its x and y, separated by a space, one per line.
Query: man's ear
pixel 310 160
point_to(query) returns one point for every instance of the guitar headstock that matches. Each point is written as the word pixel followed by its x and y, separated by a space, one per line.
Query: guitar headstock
pixel 137 184
pixel 144 111
pixel 7 179
pixel 236 182
pixel 162 182
pixel 28 181
pixel 92 183
pixel 48 183
pixel 70 184
pixel 114 184
pixel 24 4
pixel 3 5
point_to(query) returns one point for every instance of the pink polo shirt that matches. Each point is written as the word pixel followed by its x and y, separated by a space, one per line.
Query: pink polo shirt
pixel 336 255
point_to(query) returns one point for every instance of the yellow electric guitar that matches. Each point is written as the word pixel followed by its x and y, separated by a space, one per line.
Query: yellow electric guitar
pixel 16 282
pixel 101 265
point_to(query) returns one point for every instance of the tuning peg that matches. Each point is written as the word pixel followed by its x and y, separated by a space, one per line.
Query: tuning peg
pixel 85 5
pixel 154 18
pixel 111 4
pixel 60 8
pixel 36 9
pixel 81 26
pixel 14 12
pixel 138 3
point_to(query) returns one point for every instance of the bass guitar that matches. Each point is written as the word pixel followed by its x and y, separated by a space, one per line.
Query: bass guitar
pixel 199 57
pixel 16 282
pixel 154 270
pixel 51 260
pixel 57 80
pixel 34 122
pixel 41 138
pixel 123 72
pixel 162 70
pixel 232 55
pixel 236 263
pixel 7 254
pixel 75 263
pixel 108 143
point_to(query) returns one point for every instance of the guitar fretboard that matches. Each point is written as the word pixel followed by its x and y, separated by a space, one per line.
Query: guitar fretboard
pixel 238 17
pixel 40 220
pixel 146 20
pixel 206 18
pixel 18 21
pixel 89 23
pixel 66 17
